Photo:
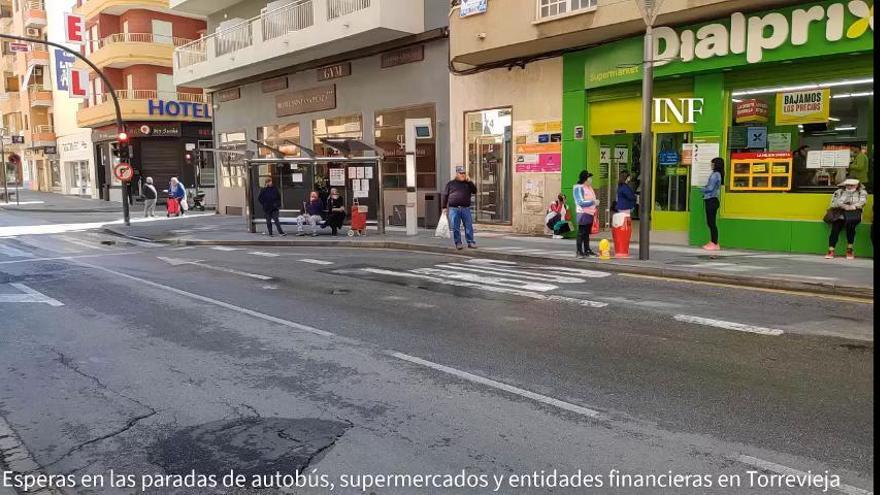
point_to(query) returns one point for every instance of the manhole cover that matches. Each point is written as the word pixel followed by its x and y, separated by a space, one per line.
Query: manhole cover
pixel 250 446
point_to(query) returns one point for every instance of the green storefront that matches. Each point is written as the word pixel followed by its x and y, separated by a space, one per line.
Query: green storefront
pixel 784 96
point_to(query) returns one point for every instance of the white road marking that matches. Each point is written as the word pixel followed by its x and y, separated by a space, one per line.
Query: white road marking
pixel 28 295
pixel 215 302
pixel 728 325
pixel 464 375
pixel 487 279
pixel 13 252
pixel 200 263
pixel 16 230
pixel 65 258
pixel 184 248
pixel 224 248
pixel 265 255
pixel 316 262
pixel 785 470
pixel 488 288
pixel 81 243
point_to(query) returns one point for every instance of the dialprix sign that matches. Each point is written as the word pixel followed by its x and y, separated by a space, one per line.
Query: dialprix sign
pixel 812 30
pixel 173 108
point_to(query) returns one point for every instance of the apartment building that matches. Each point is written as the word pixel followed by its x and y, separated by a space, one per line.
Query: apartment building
pixel 547 88
pixel 26 98
pixel 133 43
pixel 298 72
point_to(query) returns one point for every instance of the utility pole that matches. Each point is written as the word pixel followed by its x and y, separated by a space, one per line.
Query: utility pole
pixel 120 125
pixel 3 155
pixel 649 10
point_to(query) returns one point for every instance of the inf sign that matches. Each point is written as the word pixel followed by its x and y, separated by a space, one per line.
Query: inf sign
pixel 63 62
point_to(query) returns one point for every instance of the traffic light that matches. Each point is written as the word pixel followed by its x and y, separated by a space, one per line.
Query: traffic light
pixel 120 148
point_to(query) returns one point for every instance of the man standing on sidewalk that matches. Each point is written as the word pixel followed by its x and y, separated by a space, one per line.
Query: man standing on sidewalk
pixel 150 197
pixel 270 200
pixel 457 202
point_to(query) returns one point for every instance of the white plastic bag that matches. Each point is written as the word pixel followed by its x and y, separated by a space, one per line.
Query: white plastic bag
pixel 442 228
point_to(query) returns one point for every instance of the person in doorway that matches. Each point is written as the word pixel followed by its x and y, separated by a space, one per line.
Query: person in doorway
pixel 336 205
pixel 270 200
pixel 587 204
pixel 626 196
pixel 557 217
pixel 311 213
pixel 711 198
pixel 848 201
pixel 176 192
pixel 803 175
pixel 456 203
pixel 859 168
pixel 150 197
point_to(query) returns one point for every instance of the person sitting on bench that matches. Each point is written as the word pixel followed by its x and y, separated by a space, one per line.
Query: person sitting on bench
pixel 311 213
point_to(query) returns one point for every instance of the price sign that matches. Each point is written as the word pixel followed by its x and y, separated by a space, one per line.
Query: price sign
pixel 123 171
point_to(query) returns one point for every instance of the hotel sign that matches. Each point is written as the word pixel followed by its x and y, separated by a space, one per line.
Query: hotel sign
pixel 306 101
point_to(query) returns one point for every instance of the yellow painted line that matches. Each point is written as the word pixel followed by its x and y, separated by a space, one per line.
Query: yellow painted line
pixel 763 289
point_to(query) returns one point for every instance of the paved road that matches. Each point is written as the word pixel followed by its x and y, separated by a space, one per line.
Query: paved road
pixel 149 359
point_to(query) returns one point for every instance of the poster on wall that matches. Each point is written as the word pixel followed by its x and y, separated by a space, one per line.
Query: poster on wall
pixel 533 195
pixel 779 141
pixel 473 7
pixel 604 155
pixel 803 107
pixel 621 154
pixel 536 148
pixel 337 176
pixel 752 110
pixel 701 168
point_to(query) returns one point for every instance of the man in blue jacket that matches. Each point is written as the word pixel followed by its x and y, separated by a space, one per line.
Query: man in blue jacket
pixel 270 200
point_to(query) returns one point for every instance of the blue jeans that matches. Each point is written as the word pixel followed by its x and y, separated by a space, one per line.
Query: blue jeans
pixel 458 215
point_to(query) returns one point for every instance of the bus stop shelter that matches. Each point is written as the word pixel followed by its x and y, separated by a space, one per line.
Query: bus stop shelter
pixel 356 175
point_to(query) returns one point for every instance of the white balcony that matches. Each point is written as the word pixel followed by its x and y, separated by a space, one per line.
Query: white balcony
pixel 301 31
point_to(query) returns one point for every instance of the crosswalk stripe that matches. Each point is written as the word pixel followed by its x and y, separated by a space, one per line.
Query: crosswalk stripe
pixel 316 262
pixel 265 255
pixel 81 243
pixel 728 325
pixel 223 248
pixel 14 252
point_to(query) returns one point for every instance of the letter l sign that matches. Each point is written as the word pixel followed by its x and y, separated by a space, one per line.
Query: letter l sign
pixel 79 83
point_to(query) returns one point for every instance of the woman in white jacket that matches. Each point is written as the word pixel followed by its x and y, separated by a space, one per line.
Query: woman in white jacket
pixel 586 202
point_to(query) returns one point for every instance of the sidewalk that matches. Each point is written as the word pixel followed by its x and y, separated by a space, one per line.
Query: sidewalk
pixel 783 271
pixel 33 201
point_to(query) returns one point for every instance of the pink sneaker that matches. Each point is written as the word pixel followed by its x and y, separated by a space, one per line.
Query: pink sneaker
pixel 712 247
pixel 829 255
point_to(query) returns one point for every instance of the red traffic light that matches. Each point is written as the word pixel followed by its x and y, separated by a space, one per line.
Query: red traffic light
pixel 123 137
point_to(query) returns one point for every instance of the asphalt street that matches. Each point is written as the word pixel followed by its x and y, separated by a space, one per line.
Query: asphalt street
pixel 144 359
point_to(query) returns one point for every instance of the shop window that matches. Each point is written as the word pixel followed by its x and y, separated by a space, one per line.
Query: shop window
pixel 282 137
pixel 672 183
pixel 489 155
pixel 801 138
pixel 390 133
pixel 232 167
pixel 349 127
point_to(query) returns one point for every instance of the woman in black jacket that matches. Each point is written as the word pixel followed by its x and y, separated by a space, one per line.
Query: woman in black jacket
pixel 336 214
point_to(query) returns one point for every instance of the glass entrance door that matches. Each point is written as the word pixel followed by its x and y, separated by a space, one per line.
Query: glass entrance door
pixel 489 164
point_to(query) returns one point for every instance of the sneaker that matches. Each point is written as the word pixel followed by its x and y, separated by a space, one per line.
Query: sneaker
pixel 850 255
pixel 282 234
pixel 580 256
pixel 829 255
pixel 472 246
pixel 300 234
pixel 712 247
pixel 459 247
pixel 557 236
pixel 314 234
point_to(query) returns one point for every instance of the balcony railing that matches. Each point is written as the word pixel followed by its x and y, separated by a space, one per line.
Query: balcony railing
pixel 270 24
pixel 339 8
pixel 34 5
pixel 138 38
pixel 44 129
pixel 152 94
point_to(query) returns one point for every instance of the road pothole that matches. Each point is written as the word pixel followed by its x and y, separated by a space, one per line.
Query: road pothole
pixel 250 446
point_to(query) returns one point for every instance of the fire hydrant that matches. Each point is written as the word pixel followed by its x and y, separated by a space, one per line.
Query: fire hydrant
pixel 604 249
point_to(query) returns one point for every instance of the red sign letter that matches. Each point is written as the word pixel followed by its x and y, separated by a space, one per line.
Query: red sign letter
pixel 79 83
pixel 74 25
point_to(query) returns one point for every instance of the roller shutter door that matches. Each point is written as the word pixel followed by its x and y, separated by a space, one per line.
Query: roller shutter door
pixel 160 159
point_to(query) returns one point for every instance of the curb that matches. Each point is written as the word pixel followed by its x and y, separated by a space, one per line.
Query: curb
pixel 813 288
pixel 61 210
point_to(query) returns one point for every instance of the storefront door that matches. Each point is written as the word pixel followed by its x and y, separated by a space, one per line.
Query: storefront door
pixel 489 159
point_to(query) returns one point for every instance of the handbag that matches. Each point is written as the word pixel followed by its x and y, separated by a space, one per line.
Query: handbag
pixel 595 229
pixel 833 214
pixel 852 216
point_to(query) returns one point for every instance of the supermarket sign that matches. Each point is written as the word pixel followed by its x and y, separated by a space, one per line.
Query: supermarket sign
pixel 828 27
pixel 803 107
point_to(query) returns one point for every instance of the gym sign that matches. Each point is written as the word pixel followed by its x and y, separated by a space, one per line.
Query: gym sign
pixel 172 108
pixel 757 34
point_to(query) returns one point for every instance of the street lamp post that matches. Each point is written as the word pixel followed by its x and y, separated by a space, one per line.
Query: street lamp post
pixel 3 155
pixel 649 10
pixel 120 125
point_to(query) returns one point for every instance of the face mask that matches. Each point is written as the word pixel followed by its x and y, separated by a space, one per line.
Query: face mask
pixel 590 181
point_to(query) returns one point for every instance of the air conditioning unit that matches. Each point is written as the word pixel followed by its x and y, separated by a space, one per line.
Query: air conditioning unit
pixel 32 32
